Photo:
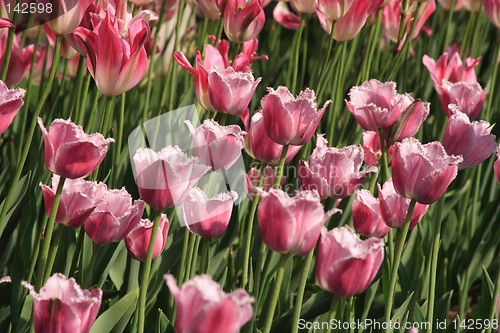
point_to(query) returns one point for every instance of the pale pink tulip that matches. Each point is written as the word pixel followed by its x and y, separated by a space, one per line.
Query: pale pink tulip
pixel 243 19
pixel 468 97
pixel 11 100
pixel 137 240
pixel 304 6
pixel 492 9
pixel 285 17
pixel 65 15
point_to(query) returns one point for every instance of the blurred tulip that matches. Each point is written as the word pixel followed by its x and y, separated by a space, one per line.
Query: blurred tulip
pixel 243 19
pixel 203 307
pixel 446 4
pixel 347 265
pixel 65 15
pixel 11 100
pixel 468 97
pixel 20 59
pixel 291 224
pixel 366 216
pixel 422 172
pixel 472 140
pixel 253 176
pixel 472 5
pixel 138 239
pixel 141 2
pixel 333 172
pixel 285 17
pixel 62 306
pixel 164 178
pixel 114 216
pixel 496 166
pixel 67 50
pixel 492 9
pixel 304 6
pixel 70 152
pixel 394 207
pixel 243 60
pixel 208 9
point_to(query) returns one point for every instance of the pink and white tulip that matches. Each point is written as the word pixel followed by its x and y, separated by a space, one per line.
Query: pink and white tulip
pixel 11 101
pixel 138 239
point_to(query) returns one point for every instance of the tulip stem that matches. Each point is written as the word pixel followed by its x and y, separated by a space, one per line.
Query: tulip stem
pixel 493 307
pixel 53 252
pixel 333 311
pixel 204 255
pixel 275 293
pixel 145 274
pixel 434 258
pixel 296 55
pixel 47 235
pixel 89 270
pixel 281 166
pixel 383 160
pixel 8 50
pixel 400 241
pixel 300 291
pixel 493 79
pixel 119 139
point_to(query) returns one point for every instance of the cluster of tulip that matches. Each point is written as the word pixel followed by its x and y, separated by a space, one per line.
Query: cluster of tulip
pixel 392 226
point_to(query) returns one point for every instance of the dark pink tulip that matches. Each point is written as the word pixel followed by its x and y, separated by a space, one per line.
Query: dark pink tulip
pixel 422 172
pixel 304 6
pixel 116 62
pixel 215 145
pixel 5 23
pixel 229 91
pixel 203 307
pixel 492 9
pixel 468 97
pixel 62 306
pixel 164 178
pixel 291 120
pixel 496 166
pixel 472 140
pixel 291 224
pixel 65 15
pixel 262 147
pixel 78 200
pixel 11 100
pixel 333 172
pixel 69 151
pixel 137 240
pixel 347 265
pixel 394 207
pixel 114 216
pixel 243 19
pixel 208 217
pixel 366 216
pixel 285 17
pixel 252 180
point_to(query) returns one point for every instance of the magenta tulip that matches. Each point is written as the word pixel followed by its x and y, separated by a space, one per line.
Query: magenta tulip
pixel 468 97
pixel 333 172
pixel 422 172
pixel 291 224
pixel 62 306
pixel 243 19
pixel 164 178
pixel 394 207
pixel 11 100
pixel 138 239
pixel 208 217
pixel 366 215
pixel 203 307
pixel 69 151
pixel 347 265
pixel 492 9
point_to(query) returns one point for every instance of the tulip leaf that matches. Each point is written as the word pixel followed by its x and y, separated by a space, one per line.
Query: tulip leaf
pixel 108 319
pixel 164 325
pixel 401 312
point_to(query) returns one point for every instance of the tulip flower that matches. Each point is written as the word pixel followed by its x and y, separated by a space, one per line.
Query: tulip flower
pixel 138 239
pixel 62 306
pixel 208 217
pixel 422 172
pixel 65 15
pixel 492 9
pixel 11 100
pixel 252 180
pixel 291 224
pixel 347 265
pixel 304 6
pixel 114 215
pixel 372 149
pixel 496 166
pixel 285 17
pixel 394 207
pixel 20 59
pixel 366 215
pixel 446 4
pixel 203 307
pixel 78 200
pixel 208 8
pixel 164 178
pixel 333 172
pixel 243 19
pixel 468 97
pixel 69 151
pixel 5 279
pixel 116 62
pixel 290 120
pixel 472 5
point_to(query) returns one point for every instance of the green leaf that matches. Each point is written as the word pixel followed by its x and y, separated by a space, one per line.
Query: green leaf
pixel 107 321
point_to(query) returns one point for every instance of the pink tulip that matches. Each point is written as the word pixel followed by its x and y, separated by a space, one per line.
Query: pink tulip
pixel 304 6
pixel 208 217
pixel 291 224
pixel 285 17
pixel 138 239
pixel 446 4
pixel 203 307
pixel 65 15
pixel 472 5
pixel 229 91
pixel 242 61
pixel 114 216
pixel 252 180
pixel 116 62
pixel 496 166
pixel 5 23
pixel 372 149
pixel 366 215
pixel 141 2
pixel 262 147
pixel 333 172
pixel 67 50
pixel 422 172
pixel 394 207
pixel 472 140
pixel 69 151
pixel 347 265
pixel 5 279
pixel 62 306
pixel 492 9
pixel 243 19
pixel 11 100
pixel 468 97
pixel 164 178
pixel 215 145
pixel 20 59
pixel 208 9
pixel 78 200
pixel 288 119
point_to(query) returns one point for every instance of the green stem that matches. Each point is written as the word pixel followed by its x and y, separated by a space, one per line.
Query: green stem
pixel 119 140
pixel 83 101
pixel 8 53
pixel 448 24
pixel 373 46
pixel 300 291
pixel 145 275
pixel 204 255
pixel 281 166
pixel 53 252
pixel 493 307
pixel 296 55
pixel 493 79
pixel 333 310
pixel 89 271
pixel 383 159
pixel 275 293
pixel 190 254
pixel 400 241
